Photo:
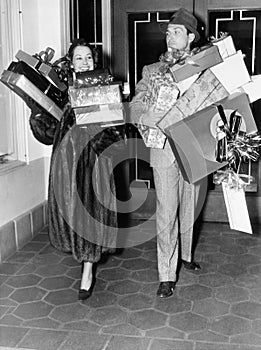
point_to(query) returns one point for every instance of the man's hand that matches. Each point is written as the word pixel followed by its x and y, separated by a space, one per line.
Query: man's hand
pixel 150 118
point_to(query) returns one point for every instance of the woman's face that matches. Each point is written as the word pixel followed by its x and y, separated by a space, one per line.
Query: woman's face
pixel 82 59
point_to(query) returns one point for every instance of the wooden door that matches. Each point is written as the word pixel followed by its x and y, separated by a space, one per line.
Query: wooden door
pixel 138 41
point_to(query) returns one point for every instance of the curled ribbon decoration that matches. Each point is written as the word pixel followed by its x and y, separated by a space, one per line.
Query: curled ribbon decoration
pixel 233 179
pixel 221 36
pixel 235 146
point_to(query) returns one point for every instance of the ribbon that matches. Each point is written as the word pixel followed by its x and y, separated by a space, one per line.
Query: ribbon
pixel 221 36
pixel 233 179
pixel 45 56
pixel 234 145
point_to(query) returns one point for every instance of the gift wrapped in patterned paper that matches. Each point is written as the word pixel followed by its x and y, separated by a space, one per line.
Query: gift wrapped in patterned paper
pixel 94 95
pixel 95 77
pixel 162 92
pixel 205 91
pixel 152 137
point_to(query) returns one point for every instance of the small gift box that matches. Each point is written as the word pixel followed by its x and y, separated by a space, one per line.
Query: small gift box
pixel 232 72
pixel 25 88
pixel 110 114
pixel 152 137
pixel 166 97
pixel 225 45
pixel 192 65
pixel 94 95
pixel 92 78
pixel 236 206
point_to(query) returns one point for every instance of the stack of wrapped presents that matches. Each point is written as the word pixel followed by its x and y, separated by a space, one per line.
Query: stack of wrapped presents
pixel 33 77
pixel 211 126
pixel 95 98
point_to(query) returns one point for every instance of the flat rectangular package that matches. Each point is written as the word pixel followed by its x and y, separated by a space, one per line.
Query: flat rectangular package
pixel 193 140
pixel 238 216
pixel 95 95
pixel 110 114
pixel 24 88
pixel 202 60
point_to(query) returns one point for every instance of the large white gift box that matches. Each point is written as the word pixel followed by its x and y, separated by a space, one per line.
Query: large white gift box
pixel 232 72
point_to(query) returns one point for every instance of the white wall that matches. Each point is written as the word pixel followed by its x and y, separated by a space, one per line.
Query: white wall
pixel 25 187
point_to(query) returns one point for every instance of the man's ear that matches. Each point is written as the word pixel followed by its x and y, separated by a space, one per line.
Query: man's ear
pixel 191 37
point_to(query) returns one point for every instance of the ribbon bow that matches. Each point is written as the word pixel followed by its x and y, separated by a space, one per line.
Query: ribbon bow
pixel 234 145
pixel 45 56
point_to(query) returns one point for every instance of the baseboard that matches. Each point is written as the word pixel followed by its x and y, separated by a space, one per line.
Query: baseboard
pixel 16 233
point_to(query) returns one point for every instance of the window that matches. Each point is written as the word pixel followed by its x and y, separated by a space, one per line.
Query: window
pixel 90 19
pixel 12 120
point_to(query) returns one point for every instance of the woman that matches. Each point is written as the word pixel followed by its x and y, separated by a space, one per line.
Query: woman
pixel 81 196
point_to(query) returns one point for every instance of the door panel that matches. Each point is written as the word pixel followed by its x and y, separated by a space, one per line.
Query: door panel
pixel 121 10
pixel 138 41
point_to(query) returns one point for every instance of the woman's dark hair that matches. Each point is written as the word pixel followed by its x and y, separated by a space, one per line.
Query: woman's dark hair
pixel 82 42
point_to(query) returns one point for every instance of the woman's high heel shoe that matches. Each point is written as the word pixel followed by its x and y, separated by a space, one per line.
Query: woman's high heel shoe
pixel 85 294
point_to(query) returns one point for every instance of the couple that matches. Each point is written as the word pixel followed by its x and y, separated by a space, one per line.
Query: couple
pixel 175 197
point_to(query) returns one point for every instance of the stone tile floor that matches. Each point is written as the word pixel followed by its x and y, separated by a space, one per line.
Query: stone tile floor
pixel 216 308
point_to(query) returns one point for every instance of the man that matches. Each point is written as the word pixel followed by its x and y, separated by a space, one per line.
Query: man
pixel 175 198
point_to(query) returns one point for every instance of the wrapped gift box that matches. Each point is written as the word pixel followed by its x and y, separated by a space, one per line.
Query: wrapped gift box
pixel 152 137
pixel 253 88
pixel 95 95
pixel 45 69
pixel 56 95
pixel 24 87
pixel 205 91
pixel 225 46
pixel 110 114
pixel 92 78
pixel 232 72
pixel 236 206
pixel 193 140
pixel 202 60
pixel 166 97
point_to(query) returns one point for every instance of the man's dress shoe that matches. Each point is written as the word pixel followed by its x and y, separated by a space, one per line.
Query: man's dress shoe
pixel 165 289
pixel 191 265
